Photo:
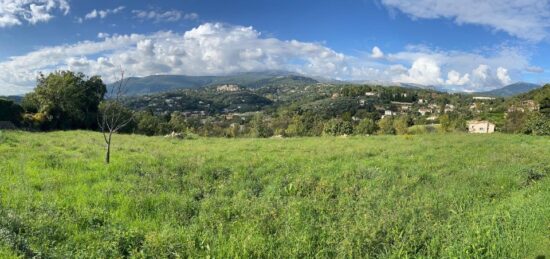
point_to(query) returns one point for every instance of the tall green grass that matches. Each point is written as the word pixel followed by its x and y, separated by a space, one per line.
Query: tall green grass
pixel 454 195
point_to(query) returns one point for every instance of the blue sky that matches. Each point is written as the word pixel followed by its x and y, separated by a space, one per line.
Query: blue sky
pixel 463 45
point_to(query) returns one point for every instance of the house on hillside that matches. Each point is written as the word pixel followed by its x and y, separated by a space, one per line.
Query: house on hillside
pixel 523 106
pixel 390 113
pixel 449 108
pixel 481 127
pixel 403 105
pixel 424 111
pixel 228 88
pixel 483 98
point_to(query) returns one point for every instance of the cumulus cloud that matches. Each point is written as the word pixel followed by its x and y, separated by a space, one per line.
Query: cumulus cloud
pixel 481 70
pixel 377 52
pixel 164 16
pixel 218 49
pixel 423 71
pixel 526 19
pixel 454 78
pixel 502 75
pixel 15 12
pixel 102 13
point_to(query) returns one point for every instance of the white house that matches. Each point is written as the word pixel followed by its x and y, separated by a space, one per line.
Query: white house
pixel 481 127
pixel 424 111
pixel 483 98
pixel 449 108
pixel 389 113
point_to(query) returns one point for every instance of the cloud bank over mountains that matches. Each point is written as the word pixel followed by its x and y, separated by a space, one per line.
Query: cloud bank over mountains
pixel 218 49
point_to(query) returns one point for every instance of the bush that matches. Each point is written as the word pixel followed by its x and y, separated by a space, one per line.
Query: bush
pixel 537 124
pixel 386 126
pixel 366 127
pixel 401 125
pixel 338 127
pixel 10 111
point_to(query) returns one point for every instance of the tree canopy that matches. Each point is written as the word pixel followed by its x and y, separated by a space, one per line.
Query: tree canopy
pixel 68 100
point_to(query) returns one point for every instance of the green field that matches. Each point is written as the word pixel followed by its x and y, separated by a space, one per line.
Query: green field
pixel 453 195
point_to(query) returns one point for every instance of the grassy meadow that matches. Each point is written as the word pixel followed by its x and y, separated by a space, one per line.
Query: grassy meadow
pixel 454 195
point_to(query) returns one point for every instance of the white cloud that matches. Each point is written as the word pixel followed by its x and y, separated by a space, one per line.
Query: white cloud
pixel 526 19
pixel 103 35
pixel 217 49
pixel 481 68
pixel 164 16
pixel 102 13
pixel 534 69
pixel 454 78
pixel 377 52
pixel 502 75
pixel 15 12
pixel 423 71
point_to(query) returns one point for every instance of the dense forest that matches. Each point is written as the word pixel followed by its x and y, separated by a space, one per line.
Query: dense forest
pixel 284 106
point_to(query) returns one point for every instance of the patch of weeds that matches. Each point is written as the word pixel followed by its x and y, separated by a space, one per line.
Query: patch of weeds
pixel 533 175
pixel 128 242
pixel 12 233
pixel 218 174
pixel 52 161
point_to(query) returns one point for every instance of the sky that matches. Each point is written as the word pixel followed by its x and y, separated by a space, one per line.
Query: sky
pixel 459 45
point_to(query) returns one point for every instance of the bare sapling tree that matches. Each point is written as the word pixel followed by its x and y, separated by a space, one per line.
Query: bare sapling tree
pixel 113 115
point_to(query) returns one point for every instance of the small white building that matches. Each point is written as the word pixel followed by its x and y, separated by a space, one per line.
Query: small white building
pixel 424 111
pixel 432 118
pixel 481 127
pixel 389 113
pixel 449 108
pixel 483 98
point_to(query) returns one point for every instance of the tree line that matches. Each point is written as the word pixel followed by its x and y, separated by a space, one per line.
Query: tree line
pixel 66 100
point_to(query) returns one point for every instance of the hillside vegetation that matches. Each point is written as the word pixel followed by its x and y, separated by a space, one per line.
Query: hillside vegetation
pixel 452 195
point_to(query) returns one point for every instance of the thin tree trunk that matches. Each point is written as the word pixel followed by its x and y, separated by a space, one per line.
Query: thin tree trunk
pixel 108 154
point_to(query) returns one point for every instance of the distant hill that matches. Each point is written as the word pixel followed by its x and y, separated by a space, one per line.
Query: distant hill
pixel 165 83
pixel 537 95
pixel 14 98
pixel 208 100
pixel 281 81
pixel 511 90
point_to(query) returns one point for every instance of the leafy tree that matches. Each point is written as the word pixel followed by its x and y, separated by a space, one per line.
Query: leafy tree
pixel 147 123
pixel 445 123
pixel 30 103
pixel 545 105
pixel 366 127
pixel 401 125
pixel 70 100
pixel 537 124
pixel 10 111
pixel 386 125
pixel 178 123
pixel 459 123
pixel 515 122
pixel 338 127
pixel 259 127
